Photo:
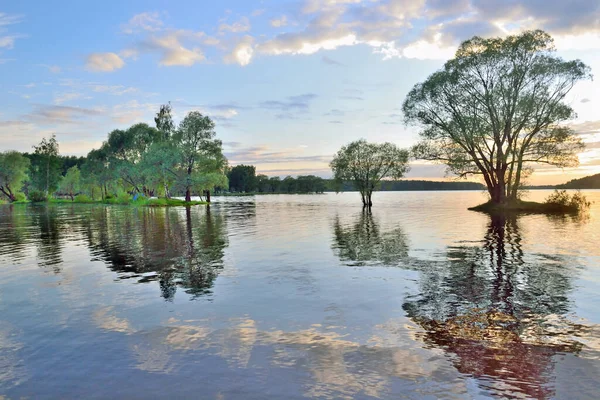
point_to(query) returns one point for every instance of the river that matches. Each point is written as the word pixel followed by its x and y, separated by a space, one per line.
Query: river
pixel 299 296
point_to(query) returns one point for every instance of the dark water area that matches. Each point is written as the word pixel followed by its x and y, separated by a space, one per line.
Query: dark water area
pixel 299 296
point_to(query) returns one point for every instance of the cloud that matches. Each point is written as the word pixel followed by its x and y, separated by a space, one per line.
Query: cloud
pixel 117 90
pixel 585 100
pixel 55 69
pixel 66 97
pixel 291 107
pixel 242 53
pixel 147 21
pixel 586 128
pixel 172 52
pixel 57 114
pixel 258 12
pixel 8 42
pixel 263 154
pixel 243 25
pixel 104 62
pixel 279 22
pixel 335 113
pixel 330 61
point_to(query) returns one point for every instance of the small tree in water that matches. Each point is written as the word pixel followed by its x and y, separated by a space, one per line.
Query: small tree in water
pixel 496 110
pixel 366 164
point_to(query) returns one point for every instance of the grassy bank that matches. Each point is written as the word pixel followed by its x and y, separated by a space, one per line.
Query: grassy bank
pixel 559 202
pixel 526 207
pixel 120 200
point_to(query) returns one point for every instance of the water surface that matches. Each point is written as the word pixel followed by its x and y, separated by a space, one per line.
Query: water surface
pixel 301 296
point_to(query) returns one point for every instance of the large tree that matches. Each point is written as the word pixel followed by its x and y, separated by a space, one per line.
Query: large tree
pixel 70 184
pixel 496 109
pixel 202 159
pixel 366 164
pixel 45 166
pixel 13 173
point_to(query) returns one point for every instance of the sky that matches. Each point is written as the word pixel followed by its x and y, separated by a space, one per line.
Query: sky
pixel 287 82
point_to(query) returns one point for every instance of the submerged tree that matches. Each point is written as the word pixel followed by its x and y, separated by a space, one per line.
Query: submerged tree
pixel 366 164
pixel 13 173
pixel 495 110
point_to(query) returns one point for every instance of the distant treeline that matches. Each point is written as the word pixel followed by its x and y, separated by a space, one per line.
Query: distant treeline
pixel 589 182
pixel 405 185
pixel 243 179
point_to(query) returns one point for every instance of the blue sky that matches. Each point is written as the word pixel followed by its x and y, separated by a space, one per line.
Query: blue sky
pixel 288 82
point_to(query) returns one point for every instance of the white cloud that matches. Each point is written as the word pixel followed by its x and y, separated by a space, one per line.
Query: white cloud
pixel 148 21
pixel 8 42
pixel 70 96
pixel 243 25
pixel 279 22
pixel 104 62
pixel 174 53
pixel 117 90
pixel 242 53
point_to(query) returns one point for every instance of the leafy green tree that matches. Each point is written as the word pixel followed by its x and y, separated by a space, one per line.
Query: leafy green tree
pixel 366 164
pixel 262 183
pixel 496 110
pixel 96 173
pixel 45 166
pixel 288 185
pixel 70 184
pixel 164 121
pixel 200 152
pixel 13 173
pixel 242 178
pixel 160 164
pixel 274 184
pixel 125 150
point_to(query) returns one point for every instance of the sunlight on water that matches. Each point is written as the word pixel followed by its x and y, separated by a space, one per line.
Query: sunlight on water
pixel 299 297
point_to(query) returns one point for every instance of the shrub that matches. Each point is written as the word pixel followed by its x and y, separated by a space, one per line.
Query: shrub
pixel 576 202
pixel 82 198
pixel 37 196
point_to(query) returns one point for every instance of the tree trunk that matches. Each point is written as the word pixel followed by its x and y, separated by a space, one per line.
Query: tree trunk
pixel 188 194
pixel 207 193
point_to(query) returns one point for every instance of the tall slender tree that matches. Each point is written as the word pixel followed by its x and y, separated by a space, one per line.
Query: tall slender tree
pixel 45 166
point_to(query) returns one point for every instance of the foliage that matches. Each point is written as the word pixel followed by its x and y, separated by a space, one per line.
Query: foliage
pixel 242 178
pixel 496 110
pixel 164 121
pixel 37 196
pixel 13 173
pixel 366 164
pixel 82 198
pixel 45 166
pixel 70 184
pixel 200 153
pixel 577 201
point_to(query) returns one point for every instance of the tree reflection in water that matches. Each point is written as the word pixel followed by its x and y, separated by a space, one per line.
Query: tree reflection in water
pixel 499 310
pixel 363 242
pixel 176 247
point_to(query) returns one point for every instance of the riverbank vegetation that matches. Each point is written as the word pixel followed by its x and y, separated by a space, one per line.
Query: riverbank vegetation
pixel 559 202
pixel 136 165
